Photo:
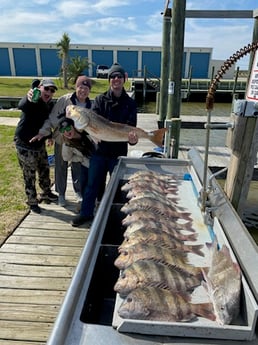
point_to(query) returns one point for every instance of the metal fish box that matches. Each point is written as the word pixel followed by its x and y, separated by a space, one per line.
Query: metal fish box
pixel 89 312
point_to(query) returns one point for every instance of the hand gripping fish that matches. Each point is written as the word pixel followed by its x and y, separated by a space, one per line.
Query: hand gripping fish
pixel 102 129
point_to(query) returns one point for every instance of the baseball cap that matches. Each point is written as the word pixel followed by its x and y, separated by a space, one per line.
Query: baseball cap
pixel 48 82
pixel 64 122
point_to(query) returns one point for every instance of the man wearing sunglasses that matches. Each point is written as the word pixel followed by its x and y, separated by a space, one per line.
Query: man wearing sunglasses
pixel 116 106
pixel 81 98
pixel 32 156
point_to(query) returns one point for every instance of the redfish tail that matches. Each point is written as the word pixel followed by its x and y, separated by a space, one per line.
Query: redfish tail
pixel 205 310
pixel 157 136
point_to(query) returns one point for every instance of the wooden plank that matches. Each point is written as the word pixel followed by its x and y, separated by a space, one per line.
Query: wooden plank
pixel 29 312
pixel 41 249
pixel 50 234
pixel 8 295
pixel 21 342
pixel 34 283
pixel 34 224
pixel 64 242
pixel 33 259
pixel 24 330
pixel 35 271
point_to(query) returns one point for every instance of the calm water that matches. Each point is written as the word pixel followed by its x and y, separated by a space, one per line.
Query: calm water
pixel 196 137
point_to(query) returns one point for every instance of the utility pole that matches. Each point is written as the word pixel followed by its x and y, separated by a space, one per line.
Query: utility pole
pixel 175 75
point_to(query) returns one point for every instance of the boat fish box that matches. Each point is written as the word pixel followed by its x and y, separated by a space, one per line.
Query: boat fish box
pixel 243 327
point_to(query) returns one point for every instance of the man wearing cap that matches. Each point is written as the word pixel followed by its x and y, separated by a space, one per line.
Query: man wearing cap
pixel 32 156
pixel 116 106
pixel 81 98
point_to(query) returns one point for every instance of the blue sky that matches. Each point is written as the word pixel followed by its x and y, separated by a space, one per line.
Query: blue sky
pixel 123 22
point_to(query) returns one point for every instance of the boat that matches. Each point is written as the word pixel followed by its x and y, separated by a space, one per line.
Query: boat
pixel 89 312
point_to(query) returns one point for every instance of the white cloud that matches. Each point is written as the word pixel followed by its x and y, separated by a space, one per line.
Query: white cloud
pixel 123 22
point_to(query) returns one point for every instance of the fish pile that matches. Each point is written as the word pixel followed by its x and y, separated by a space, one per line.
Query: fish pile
pixel 156 278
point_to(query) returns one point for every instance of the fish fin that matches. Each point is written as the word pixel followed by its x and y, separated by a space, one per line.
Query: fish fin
pixel 95 140
pixel 205 310
pixel 191 237
pixel 157 136
pixel 204 271
pixel 196 249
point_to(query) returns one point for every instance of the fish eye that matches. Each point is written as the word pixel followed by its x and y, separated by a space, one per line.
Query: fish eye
pixel 123 276
pixel 125 253
pixel 129 299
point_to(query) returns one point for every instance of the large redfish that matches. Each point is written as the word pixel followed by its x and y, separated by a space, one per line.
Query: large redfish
pixel 102 129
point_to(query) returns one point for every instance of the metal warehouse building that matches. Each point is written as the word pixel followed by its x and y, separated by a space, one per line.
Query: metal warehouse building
pixel 32 59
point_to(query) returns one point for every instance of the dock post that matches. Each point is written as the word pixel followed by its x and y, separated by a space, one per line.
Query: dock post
pixel 176 57
pixel 165 66
pixel 241 166
pixel 244 151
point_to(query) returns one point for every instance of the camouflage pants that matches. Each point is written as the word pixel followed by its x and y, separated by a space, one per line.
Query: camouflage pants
pixel 32 163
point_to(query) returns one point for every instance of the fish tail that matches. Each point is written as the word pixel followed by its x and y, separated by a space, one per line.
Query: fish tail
pixel 157 136
pixel 205 310
pixel 197 249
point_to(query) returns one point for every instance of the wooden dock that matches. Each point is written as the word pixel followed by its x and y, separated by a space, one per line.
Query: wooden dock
pixel 38 260
pixel 37 263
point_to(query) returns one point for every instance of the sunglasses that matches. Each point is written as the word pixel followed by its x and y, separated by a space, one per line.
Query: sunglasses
pixel 65 129
pixel 114 76
pixel 47 88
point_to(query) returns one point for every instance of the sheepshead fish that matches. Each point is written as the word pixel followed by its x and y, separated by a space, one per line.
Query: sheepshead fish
pixel 152 175
pixel 156 304
pixel 155 225
pixel 141 185
pixel 149 273
pixel 159 238
pixel 223 283
pixel 158 197
pixel 156 206
pixel 142 251
pixel 145 215
pixel 102 129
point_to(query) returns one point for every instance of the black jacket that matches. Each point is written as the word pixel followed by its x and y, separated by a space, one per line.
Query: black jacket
pixel 121 110
pixel 32 118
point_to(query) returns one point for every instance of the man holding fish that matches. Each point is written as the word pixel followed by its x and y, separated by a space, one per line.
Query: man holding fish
pixel 116 106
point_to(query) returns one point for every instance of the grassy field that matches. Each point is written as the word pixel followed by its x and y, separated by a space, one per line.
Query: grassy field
pixel 12 197
pixel 18 87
